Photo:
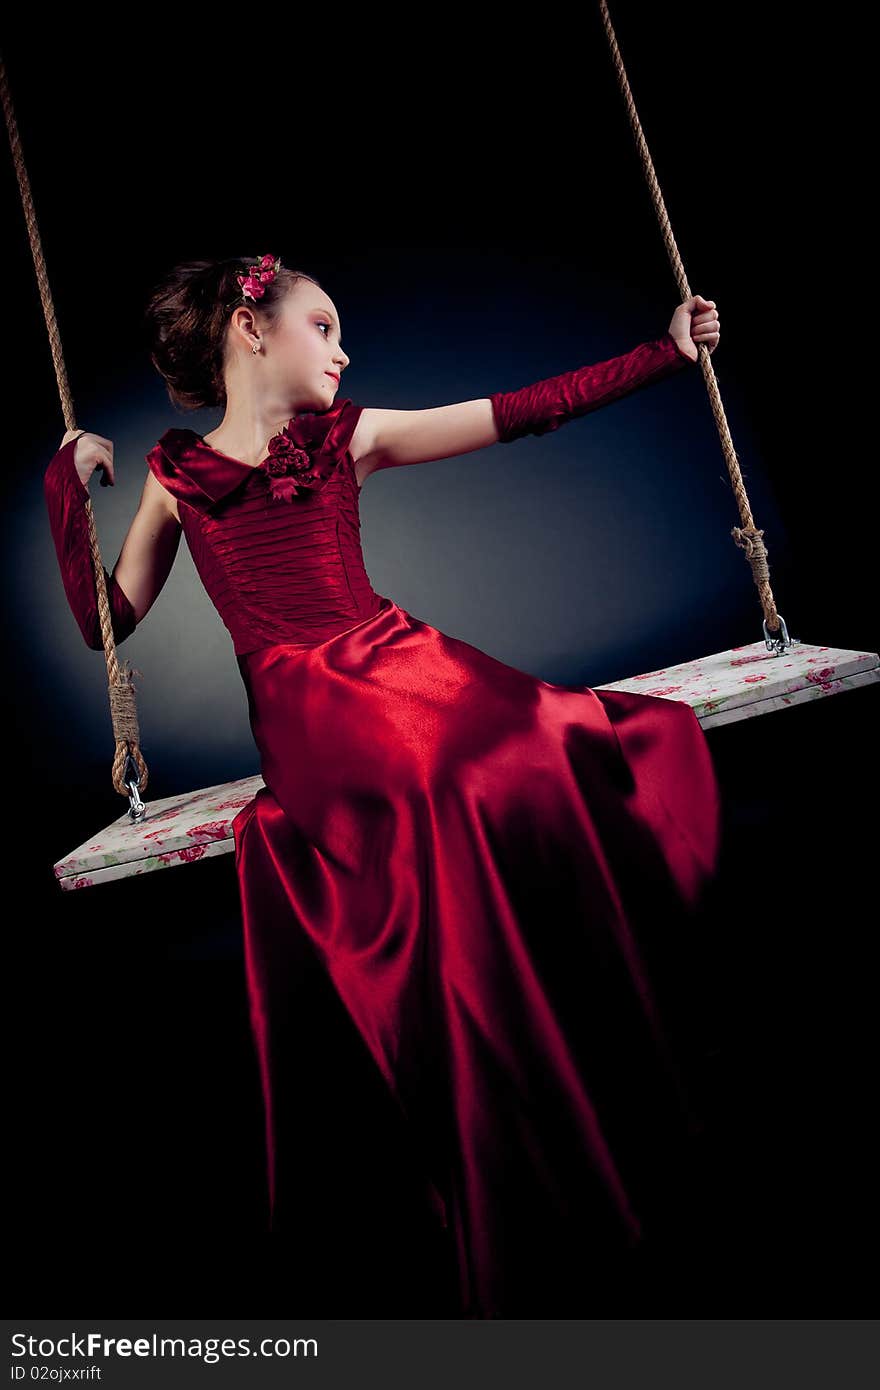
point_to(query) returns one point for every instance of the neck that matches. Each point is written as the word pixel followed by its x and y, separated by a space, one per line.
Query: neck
pixel 245 433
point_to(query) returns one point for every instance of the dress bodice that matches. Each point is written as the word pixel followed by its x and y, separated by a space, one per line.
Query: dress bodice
pixel 277 546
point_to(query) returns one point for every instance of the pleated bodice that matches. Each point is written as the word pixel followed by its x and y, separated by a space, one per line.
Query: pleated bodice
pixel 276 546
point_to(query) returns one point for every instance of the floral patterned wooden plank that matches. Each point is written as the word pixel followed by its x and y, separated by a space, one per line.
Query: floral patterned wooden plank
pixel 177 829
pixel 749 681
pixel 133 868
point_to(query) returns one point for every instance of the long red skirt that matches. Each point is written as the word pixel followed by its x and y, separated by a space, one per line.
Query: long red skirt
pixel 495 873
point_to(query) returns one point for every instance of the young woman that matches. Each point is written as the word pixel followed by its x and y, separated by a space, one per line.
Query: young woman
pixel 485 864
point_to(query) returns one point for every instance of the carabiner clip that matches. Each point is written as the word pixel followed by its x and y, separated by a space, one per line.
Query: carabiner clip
pixel 137 809
pixel 779 644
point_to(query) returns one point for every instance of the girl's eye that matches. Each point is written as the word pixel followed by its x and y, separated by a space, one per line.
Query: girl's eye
pixel 325 325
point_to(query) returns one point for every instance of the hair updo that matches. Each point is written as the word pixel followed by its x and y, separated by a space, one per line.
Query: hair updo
pixel 186 319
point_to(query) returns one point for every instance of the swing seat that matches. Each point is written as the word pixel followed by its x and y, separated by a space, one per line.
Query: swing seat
pixel 745 682
pixel 738 684
pixel 179 829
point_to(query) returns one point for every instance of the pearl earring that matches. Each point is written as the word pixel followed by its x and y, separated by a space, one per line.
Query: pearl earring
pixel 255 348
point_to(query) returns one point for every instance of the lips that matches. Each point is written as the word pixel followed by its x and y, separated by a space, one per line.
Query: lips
pixel 333 376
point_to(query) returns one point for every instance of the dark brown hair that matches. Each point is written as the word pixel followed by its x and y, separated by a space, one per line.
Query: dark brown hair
pixel 186 319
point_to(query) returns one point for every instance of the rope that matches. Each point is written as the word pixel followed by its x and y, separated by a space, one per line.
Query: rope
pixel 123 707
pixel 746 536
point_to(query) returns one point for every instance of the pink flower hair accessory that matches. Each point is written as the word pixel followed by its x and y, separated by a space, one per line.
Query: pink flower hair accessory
pixel 253 284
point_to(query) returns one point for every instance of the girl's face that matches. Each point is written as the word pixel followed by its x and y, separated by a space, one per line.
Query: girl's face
pixel 306 347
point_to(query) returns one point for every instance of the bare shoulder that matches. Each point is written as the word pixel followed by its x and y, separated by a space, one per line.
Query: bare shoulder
pixel 157 499
pixel 362 445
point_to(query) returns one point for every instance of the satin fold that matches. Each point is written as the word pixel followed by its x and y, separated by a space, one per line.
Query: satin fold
pixel 492 870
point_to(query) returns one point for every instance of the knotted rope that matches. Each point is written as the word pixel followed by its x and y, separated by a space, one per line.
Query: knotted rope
pixel 746 536
pixel 123 705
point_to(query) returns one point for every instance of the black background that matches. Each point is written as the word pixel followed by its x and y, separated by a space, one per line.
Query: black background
pixel 135 1128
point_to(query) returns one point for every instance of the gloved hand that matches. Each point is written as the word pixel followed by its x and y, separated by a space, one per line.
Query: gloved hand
pixel 66 499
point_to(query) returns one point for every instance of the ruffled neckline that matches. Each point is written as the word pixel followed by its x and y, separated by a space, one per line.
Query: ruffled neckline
pixel 301 458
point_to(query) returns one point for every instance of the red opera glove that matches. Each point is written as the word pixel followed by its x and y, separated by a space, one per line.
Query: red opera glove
pixel 548 404
pixel 66 503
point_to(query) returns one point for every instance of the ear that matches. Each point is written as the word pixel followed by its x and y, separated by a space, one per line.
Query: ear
pixel 244 321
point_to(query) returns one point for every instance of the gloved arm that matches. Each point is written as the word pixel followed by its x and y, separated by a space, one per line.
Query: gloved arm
pixel 547 404
pixel 66 499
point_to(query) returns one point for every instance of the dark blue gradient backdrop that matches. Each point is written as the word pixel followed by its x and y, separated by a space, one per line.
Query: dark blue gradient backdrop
pixel 587 555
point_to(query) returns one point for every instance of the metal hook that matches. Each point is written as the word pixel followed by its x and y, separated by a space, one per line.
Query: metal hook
pixel 780 644
pixel 137 809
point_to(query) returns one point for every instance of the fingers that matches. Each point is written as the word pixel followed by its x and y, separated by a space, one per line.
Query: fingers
pixel 105 463
pixel 702 312
pixel 98 452
pixel 706 325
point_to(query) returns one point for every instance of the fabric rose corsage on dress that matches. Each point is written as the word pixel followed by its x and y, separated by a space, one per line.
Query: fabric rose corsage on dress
pixel 289 469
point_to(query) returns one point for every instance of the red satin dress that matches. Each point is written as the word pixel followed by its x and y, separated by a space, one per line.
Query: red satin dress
pixel 488 867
